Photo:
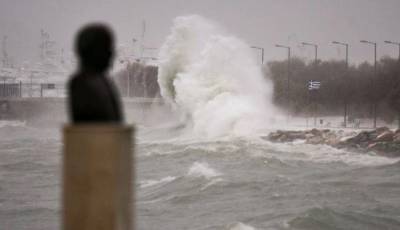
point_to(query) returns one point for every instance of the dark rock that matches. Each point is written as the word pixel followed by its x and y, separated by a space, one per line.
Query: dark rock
pixel 382 140
pixel 296 135
pixel 286 136
pixel 385 148
pixel 332 140
pixel 274 136
pixel 309 135
pixel 396 137
pixel 385 136
pixel 315 140
pixel 373 146
pixel 382 130
pixel 283 138
pixel 360 138
pixel 375 133
pixel 316 132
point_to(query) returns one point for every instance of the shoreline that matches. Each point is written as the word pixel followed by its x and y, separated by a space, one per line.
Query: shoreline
pixel 381 141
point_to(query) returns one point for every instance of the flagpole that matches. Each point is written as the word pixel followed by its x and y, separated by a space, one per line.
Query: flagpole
pixel 374 96
pixel 315 63
pixel 313 85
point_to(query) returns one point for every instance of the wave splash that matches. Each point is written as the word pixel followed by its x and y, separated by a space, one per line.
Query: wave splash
pixel 150 183
pixel 241 226
pixel 202 169
pixel 214 79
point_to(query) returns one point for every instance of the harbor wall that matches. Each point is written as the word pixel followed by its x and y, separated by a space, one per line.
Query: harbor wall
pixel 50 111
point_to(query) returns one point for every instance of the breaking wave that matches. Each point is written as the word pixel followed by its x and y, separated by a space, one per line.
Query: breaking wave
pixel 214 79
pixel 150 183
pixel 241 226
pixel 202 169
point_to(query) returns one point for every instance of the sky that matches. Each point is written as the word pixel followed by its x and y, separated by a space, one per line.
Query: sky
pixel 261 23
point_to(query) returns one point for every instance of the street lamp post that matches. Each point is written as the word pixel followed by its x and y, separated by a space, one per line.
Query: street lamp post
pixel 315 63
pixel 375 72
pixel 128 93
pixel 288 71
pixel 262 53
pixel 134 40
pixel 347 69
pixel 398 44
pixel 394 43
pixel 316 50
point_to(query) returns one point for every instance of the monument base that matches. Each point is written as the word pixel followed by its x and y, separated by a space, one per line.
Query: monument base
pixel 97 177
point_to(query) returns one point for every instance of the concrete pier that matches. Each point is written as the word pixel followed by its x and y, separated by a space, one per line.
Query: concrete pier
pixel 97 177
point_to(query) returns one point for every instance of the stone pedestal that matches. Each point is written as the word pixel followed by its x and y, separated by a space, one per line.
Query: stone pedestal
pixel 97 177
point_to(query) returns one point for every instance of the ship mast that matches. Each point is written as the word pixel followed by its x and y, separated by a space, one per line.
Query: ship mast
pixel 143 36
pixel 46 46
pixel 5 60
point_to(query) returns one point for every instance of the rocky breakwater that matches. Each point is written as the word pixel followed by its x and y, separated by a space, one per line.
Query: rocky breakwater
pixel 382 140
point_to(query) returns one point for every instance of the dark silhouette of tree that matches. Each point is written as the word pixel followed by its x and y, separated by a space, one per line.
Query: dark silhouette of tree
pixel 356 85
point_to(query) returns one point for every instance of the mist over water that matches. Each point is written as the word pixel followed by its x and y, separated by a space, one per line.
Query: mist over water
pixel 214 79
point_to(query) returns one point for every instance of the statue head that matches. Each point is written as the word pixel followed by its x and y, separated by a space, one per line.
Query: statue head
pixel 94 46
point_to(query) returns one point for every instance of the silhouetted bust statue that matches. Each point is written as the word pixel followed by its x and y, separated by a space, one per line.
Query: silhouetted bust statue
pixel 92 96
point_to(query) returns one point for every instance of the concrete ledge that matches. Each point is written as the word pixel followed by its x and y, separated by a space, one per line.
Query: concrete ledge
pixel 97 177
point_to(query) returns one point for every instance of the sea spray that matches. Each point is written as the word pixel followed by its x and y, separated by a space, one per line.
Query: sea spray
pixel 214 79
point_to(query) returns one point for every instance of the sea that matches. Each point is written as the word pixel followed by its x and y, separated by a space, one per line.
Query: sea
pixel 231 182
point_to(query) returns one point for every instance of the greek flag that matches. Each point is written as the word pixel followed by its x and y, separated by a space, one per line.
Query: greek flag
pixel 314 85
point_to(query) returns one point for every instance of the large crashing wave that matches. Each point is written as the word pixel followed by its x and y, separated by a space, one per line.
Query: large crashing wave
pixel 214 78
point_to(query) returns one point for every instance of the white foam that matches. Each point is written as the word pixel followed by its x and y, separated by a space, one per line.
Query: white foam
pixel 328 154
pixel 211 183
pixel 241 226
pixel 350 158
pixel 149 183
pixel 4 123
pixel 202 169
pixel 214 78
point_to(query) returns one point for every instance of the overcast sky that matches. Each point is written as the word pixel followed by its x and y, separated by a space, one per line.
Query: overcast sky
pixel 259 22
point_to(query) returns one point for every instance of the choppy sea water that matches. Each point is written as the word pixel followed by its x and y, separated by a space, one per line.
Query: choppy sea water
pixel 230 183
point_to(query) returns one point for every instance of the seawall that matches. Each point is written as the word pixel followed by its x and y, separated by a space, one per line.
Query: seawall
pixel 49 111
